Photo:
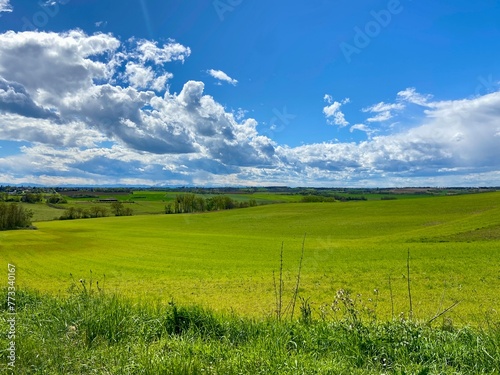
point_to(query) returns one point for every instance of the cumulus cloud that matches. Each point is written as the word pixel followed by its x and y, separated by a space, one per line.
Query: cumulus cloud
pixel 333 113
pixel 149 51
pixel 138 75
pixel 144 77
pixel 221 76
pixel 75 79
pixel 453 134
pixel 51 65
pixel 98 110
pixel 15 99
pixel 5 6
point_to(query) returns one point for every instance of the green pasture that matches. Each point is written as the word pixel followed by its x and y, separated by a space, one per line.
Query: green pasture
pixel 226 260
pixel 168 196
pixel 43 212
pixel 146 202
pixel 149 202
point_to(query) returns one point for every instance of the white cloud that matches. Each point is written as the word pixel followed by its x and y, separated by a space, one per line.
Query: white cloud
pixel 333 113
pixel 51 66
pixel 362 127
pixel 91 109
pixel 410 95
pixel 138 75
pixel 149 51
pixel 5 6
pixel 144 77
pixel 76 80
pixel 240 114
pixel 45 131
pixel 453 134
pixel 221 76
pixel 384 111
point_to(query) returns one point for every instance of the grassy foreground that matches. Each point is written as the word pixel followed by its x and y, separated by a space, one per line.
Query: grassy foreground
pixel 96 333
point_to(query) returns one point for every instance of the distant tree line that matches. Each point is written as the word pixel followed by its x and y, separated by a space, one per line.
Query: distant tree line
pixel 117 209
pixel 333 198
pixel 14 216
pixel 72 190
pixel 84 213
pixel 316 198
pixel 343 198
pixel 4 197
pixel 189 203
pixel 31 197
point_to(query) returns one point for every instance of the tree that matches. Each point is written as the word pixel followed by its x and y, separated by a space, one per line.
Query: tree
pixel 127 212
pixel 98 211
pixel 32 198
pixel 120 210
pixel 70 214
pixel 168 209
pixel 14 216
pixel 117 208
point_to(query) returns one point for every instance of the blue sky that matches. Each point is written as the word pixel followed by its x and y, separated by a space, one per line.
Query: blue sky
pixel 240 92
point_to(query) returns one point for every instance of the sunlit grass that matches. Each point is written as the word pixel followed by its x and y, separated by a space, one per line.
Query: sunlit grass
pixel 225 260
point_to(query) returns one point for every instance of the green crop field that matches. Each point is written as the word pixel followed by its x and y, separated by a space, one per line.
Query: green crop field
pixel 225 260
pixel 143 202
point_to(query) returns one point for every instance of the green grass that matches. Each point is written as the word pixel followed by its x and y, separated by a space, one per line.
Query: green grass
pixel 164 196
pixel 91 332
pixel 43 212
pixel 144 202
pixel 263 198
pixel 225 260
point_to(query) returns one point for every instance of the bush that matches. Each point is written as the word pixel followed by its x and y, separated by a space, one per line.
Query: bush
pixel 56 199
